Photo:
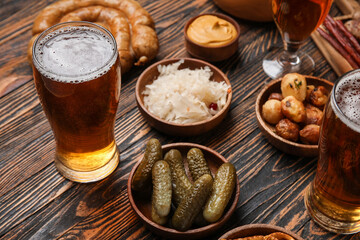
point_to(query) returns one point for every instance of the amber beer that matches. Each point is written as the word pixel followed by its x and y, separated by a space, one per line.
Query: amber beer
pixel 77 76
pixel 334 197
pixel 296 19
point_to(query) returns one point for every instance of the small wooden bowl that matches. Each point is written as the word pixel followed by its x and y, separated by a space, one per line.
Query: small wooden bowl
pixel 289 147
pixel 142 204
pixel 189 129
pixel 212 54
pixel 256 229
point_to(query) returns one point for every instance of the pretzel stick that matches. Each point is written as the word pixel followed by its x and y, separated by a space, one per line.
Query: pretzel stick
pixel 338 47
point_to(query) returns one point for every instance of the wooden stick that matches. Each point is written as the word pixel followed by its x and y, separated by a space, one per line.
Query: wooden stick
pixel 347 6
pixel 343 17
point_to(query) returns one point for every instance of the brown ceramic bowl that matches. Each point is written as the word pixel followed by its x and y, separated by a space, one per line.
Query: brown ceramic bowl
pixel 289 147
pixel 189 129
pixel 141 203
pixel 256 229
pixel 212 54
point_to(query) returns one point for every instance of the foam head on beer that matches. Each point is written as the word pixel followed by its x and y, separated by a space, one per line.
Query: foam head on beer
pixel 74 53
pixel 347 98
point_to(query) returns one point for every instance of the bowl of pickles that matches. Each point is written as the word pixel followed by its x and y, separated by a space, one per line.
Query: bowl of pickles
pixel 175 189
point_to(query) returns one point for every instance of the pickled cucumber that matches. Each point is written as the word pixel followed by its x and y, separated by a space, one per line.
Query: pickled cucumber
pixel 156 218
pixel 142 176
pixel 161 195
pixel 192 204
pixel 180 182
pixel 222 190
pixel 197 163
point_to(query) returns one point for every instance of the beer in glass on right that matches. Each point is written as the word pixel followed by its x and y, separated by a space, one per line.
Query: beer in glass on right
pixel 333 199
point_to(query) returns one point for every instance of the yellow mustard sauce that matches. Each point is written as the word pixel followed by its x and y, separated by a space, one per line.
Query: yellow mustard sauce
pixel 211 31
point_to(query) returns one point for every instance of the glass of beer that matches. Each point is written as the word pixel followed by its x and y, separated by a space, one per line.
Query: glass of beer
pixel 296 20
pixel 77 76
pixel 333 199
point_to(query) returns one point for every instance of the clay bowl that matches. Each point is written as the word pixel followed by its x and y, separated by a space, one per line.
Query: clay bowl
pixel 256 229
pixel 141 203
pixel 212 54
pixel 286 146
pixel 189 129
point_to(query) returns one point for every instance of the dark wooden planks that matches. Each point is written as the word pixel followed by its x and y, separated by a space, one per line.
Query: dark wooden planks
pixel 37 203
pixel 15 33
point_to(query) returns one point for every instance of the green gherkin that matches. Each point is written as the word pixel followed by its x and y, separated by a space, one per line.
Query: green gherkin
pixel 197 163
pixel 192 204
pixel 142 175
pixel 180 182
pixel 223 188
pixel 161 196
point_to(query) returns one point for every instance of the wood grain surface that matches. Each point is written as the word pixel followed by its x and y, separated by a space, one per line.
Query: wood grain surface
pixel 36 202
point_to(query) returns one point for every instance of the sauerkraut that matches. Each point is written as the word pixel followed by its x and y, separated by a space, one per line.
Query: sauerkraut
pixel 184 95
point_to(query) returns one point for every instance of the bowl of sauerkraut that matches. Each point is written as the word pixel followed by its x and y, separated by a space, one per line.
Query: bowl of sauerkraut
pixel 183 97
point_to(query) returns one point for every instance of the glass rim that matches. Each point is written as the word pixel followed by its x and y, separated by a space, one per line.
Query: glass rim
pixel 38 65
pixel 337 110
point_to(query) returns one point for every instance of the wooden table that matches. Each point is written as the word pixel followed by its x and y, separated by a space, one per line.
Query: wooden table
pixel 36 202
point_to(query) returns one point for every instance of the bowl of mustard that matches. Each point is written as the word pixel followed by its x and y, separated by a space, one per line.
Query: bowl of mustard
pixel 212 36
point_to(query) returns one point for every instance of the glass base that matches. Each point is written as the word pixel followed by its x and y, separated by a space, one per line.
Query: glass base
pixel 90 176
pixel 276 63
pixel 325 221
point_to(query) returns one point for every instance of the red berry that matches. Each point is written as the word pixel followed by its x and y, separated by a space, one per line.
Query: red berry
pixel 213 106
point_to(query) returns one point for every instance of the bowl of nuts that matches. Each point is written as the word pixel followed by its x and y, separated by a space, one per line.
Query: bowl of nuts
pixel 289 112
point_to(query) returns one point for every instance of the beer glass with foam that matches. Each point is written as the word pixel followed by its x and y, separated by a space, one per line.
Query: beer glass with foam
pixel 333 199
pixel 77 76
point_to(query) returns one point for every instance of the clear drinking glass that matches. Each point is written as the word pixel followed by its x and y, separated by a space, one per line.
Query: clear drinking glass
pixel 77 75
pixel 295 19
pixel 333 199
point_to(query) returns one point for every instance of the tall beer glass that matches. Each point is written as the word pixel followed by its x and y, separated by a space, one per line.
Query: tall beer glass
pixel 77 76
pixel 333 199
